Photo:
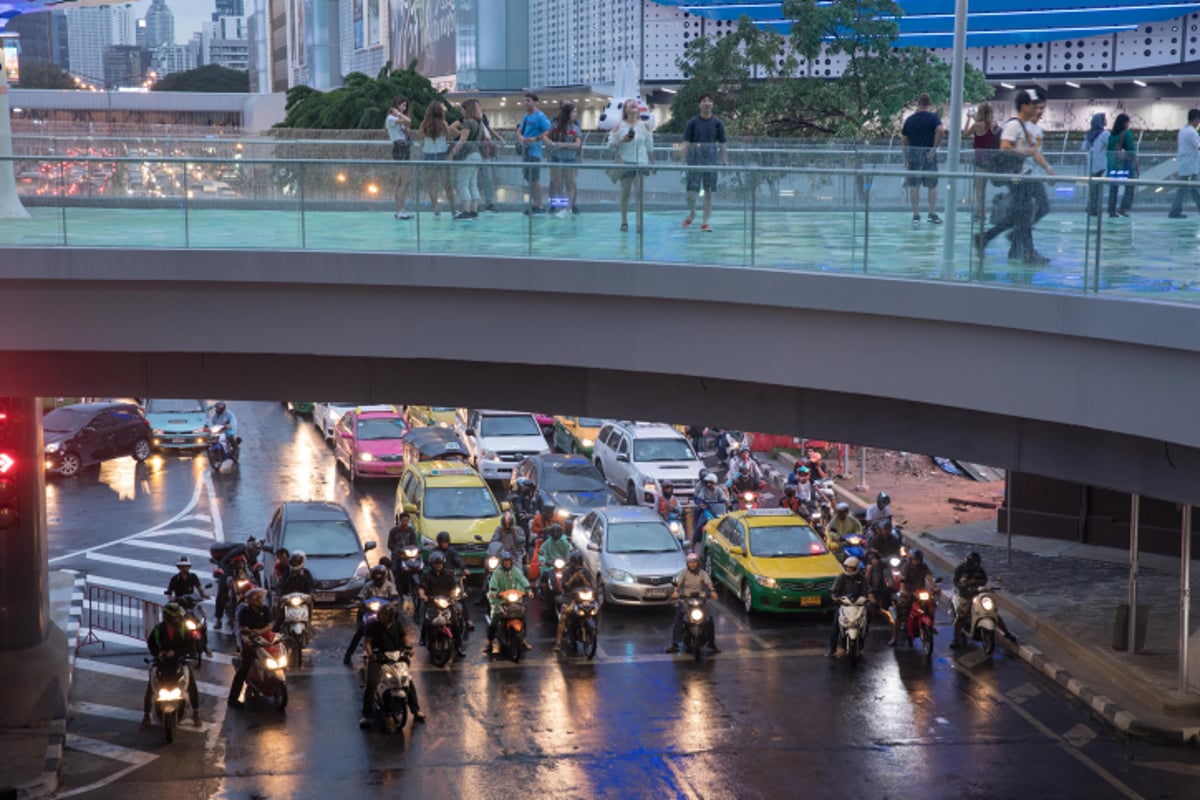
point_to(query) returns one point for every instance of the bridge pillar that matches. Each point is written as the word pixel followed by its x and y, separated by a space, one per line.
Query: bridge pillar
pixel 33 650
pixel 10 204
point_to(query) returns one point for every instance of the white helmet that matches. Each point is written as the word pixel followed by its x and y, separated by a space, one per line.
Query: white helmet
pixel 710 478
pixel 851 566
pixel 843 507
pixel 298 559
pixel 183 561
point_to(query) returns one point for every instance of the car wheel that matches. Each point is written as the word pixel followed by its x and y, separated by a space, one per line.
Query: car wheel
pixel 70 464
pixel 747 597
pixel 631 497
pixel 599 468
pixel 141 449
pixel 352 471
pixel 601 590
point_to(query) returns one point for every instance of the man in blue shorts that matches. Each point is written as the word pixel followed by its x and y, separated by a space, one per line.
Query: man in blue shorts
pixel 533 126
pixel 921 135
pixel 703 141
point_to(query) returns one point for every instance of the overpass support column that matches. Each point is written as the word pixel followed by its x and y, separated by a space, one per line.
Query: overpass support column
pixel 10 204
pixel 33 650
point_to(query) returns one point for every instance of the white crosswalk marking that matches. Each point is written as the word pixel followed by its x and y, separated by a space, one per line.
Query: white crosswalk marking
pixel 1080 735
pixel 130 562
pixel 178 550
pixel 126 714
pixel 104 749
pixel 155 591
pixel 118 671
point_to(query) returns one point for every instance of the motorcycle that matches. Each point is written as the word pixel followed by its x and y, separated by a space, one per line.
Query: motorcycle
pixel 440 614
pixel 920 619
pixel 222 448
pixel 510 628
pixel 583 622
pixel 241 582
pixel 695 624
pixel 268 676
pixel 852 626
pixel 390 701
pixel 408 579
pixel 296 631
pixel 853 544
pixel 195 623
pixel 977 605
pixel 169 681
pixel 550 583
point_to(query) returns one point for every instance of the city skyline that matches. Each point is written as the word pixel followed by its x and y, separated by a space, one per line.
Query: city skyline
pixel 190 15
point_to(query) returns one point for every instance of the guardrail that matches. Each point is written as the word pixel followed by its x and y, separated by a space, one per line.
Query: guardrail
pixel 108 610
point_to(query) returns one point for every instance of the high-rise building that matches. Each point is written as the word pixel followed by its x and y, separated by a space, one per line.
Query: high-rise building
pixel 225 42
pixel 125 65
pixel 229 8
pixel 124 22
pixel 89 35
pixel 160 26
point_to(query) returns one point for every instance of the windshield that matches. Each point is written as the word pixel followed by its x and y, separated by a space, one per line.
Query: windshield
pixel 174 407
pixel 641 537
pixel 442 408
pixel 590 422
pixel 662 450
pixel 65 420
pixel 459 502
pixel 517 425
pixel 322 538
pixel 785 541
pixel 374 428
pixel 572 477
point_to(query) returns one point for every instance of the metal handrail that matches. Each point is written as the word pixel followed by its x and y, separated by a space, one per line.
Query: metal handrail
pixel 110 611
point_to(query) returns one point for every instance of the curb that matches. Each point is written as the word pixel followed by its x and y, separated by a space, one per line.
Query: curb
pixel 47 783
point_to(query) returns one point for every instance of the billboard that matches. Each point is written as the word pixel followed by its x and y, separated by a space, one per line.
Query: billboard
pixel 423 30
pixel 8 57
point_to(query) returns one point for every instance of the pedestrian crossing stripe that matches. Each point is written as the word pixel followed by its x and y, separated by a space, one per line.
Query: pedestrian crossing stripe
pixel 139 675
pixel 131 562
pixel 116 752
pixel 126 714
pixel 178 550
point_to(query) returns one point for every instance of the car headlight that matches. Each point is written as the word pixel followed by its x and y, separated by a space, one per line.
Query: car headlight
pixel 487 455
pixel 157 431
pixel 493 563
pixel 586 442
pixel 769 583
pixel 620 576
pixel 361 571
pixel 563 514
pixel 674 527
pixel 650 486
pixel 170 694
pixel 53 447
pixel 366 457
pixel 987 603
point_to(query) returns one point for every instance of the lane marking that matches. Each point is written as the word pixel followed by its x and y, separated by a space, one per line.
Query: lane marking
pixel 1026 691
pixel 131 562
pixel 1065 745
pixel 171 548
pixel 681 781
pixel 140 675
pixel 203 533
pixel 127 586
pixel 1080 736
pixel 218 527
pixel 115 752
pixel 126 714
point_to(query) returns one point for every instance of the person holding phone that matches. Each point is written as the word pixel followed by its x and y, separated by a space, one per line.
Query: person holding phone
pixel 634 144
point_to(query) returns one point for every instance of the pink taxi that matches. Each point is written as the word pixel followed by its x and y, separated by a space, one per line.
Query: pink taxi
pixel 369 443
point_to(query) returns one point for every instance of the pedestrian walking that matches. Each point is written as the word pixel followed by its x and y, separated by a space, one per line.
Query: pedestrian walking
pixel 1187 164
pixel 703 143
pixel 985 133
pixel 435 136
pixel 635 149
pixel 922 133
pixel 466 152
pixel 1021 146
pixel 1122 164
pixel 565 140
pixel 1095 144
pixel 398 125
pixel 529 142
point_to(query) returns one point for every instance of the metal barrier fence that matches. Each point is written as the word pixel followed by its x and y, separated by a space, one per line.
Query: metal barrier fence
pixel 108 610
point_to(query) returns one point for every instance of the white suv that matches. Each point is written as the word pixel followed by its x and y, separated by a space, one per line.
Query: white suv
pixel 636 457
pixel 499 440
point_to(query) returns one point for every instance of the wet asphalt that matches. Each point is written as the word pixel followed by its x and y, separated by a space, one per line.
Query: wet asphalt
pixel 769 717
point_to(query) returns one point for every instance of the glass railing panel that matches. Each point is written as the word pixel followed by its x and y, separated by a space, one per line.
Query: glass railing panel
pixel 245 204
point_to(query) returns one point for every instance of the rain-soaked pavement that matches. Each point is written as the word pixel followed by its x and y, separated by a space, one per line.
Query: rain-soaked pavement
pixel 769 717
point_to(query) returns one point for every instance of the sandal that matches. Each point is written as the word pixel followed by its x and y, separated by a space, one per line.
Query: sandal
pixel 624 227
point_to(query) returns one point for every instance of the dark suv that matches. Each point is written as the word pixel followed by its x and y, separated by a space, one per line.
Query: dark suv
pixel 85 434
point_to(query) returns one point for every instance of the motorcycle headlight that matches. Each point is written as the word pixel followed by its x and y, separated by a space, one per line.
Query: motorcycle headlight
pixel 366 456
pixel 895 562
pixel 620 576
pixel 375 606
pixel 277 663
pixel 586 596
pixel 493 563
pixel 411 552
pixel 53 447
pixel 190 624
pixel 559 563
pixel 748 497
pixel 696 614
pixel 767 582
pixel 512 595
pixel 442 602
pixel 586 442
pixel 673 526
pixel 295 601
pixel 922 596
pixel 854 541
pixel 987 603
pixel 362 571
pixel 170 694
pixel 563 514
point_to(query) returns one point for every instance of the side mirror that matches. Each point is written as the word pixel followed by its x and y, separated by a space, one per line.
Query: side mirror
pixel 368 546
pixel 478 538
pixel 411 508
pixel 738 551
pixel 594 546
pixel 505 505
pixel 624 457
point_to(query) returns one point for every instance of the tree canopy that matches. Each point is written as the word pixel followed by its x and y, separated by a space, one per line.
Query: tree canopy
pixel 767 84
pixel 209 78
pixel 362 103
pixel 38 75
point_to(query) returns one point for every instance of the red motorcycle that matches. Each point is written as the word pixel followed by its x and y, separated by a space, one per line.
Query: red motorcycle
pixel 268 676
pixel 920 618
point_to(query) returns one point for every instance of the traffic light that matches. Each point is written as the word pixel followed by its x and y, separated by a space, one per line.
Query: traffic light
pixel 10 514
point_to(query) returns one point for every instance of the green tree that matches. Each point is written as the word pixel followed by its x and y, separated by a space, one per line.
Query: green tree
pixel 35 75
pixel 362 103
pixel 209 78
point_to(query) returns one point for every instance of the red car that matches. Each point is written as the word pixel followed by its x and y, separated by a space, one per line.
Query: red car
pixel 370 444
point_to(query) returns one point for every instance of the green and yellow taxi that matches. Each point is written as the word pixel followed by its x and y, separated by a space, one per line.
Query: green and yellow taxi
pixel 439 416
pixel 576 434
pixel 772 559
pixel 449 496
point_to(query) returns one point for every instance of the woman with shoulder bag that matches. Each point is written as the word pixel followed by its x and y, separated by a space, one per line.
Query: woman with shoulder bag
pixel 635 146
pixel 1122 163
pixel 466 151
pixel 982 126
pixel 397 124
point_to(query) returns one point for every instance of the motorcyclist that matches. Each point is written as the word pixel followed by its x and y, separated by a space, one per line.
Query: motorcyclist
pixel 668 503
pixel 843 523
pixel 688 583
pixel 168 643
pixel 556 546
pixel 546 517
pixel 384 634
pixel 791 502
pixel 575 577
pixel 454 563
pixel 380 584
pixel 882 537
pixel 877 579
pixel 744 473
pixel 298 579
pixel 223 416
pixel 914 575
pixel 185 582
pixel 401 536
pixel 852 584
pixel 510 536
pixel 881 508
pixel 709 493
pixel 440 582
pixel 247 555
pixel 503 580
pixel 816 469
pixel 254 619
pixel 969 578
pixel 803 485
pixel 524 502
pixel 282 565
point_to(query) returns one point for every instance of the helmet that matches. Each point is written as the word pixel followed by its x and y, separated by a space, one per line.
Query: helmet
pixel 843 507
pixel 916 555
pixel 524 483
pixel 789 490
pixel 172 613
pixel 378 574
pixel 851 565
pixel 555 530
pixel 443 537
pixel 802 471
pixel 548 510
pixel 692 557
pixel 219 406
pixel 298 559
pixel 668 485
pixel 703 473
pixel 883 498
pixel 975 558
pixel 576 558
pixel 506 520
pixel 183 561
pixel 710 478
pixel 506 555
pixel 437 557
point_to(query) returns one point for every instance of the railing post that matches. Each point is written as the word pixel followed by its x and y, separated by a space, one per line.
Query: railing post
pixel 1135 503
pixel 1185 595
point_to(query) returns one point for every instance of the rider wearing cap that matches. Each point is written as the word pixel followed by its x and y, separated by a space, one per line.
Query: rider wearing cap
pixel 852 584
pixel 185 582
pixel 691 582
pixel 710 492
pixel 168 644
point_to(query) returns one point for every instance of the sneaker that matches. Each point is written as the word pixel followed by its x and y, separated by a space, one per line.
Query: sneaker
pixel 706 228
pixel 558 647
pixel 491 209
pixel 145 726
pixel 528 646
pixel 488 648
pixel 458 651
pixel 712 648
pixel 1176 216
pixel 674 648
pixel 935 219
pixel 474 215
pixel 470 626
pixel 574 209
pixel 402 215
pixel 463 215
pixel 1035 258
pixel 363 722
pixel 916 219
pixel 418 717
pixel 892 642
pixel 196 719
pixel 688 220
pixel 217 626
pixel 1124 213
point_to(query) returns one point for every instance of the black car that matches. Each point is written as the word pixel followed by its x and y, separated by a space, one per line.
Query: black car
pixel 570 482
pixel 81 435
pixel 336 557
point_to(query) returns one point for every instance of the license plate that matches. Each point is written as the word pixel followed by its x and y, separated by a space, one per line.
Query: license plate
pixel 658 594
pixel 176 440
pixel 323 597
pixel 810 601
pixel 395 470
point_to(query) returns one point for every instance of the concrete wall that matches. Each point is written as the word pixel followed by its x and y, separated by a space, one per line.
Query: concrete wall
pixel 1082 388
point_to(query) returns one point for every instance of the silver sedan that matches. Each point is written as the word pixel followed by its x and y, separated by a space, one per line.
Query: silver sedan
pixel 631 552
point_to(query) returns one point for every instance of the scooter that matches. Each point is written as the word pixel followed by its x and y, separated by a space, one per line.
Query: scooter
pixel 695 624
pixel 390 701
pixel 222 448
pixel 268 676
pixel 196 624
pixel 583 622
pixel 296 631
pixel 440 613
pixel 920 619
pixel 983 621
pixel 169 681
pixel 410 567
pixel 853 544
pixel 510 626
pixel 550 584
pixel 852 626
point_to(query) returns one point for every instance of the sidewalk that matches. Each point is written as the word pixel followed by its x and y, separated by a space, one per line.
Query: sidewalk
pixel 33 756
pixel 1060 599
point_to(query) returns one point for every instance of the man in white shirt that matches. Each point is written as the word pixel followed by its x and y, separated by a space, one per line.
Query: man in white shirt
pixel 1187 164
